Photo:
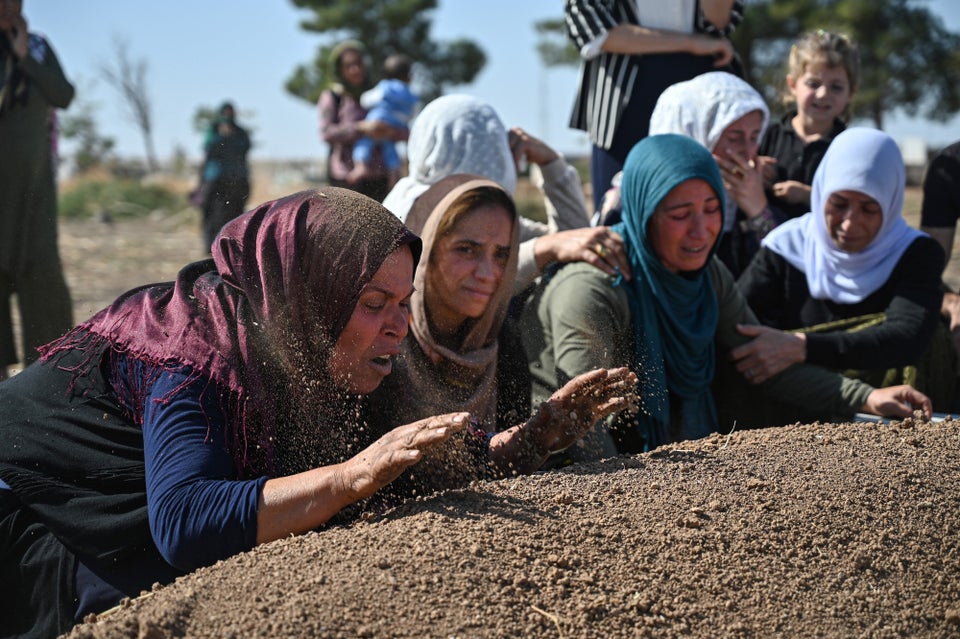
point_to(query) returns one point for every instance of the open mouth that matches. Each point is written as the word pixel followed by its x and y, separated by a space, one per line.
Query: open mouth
pixel 383 364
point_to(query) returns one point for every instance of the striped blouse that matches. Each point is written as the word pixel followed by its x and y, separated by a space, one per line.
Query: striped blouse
pixel 607 80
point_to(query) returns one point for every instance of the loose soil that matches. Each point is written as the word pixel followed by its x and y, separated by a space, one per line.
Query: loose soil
pixel 823 530
pixel 847 530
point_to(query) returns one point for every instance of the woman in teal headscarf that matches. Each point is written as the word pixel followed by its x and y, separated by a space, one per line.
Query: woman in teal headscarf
pixel 673 318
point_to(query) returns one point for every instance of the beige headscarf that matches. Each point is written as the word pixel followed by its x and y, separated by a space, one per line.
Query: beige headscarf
pixel 445 378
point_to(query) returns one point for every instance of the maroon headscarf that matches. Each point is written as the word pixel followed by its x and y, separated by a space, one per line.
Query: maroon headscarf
pixel 282 285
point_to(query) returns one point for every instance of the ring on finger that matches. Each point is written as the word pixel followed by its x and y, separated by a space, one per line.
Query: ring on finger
pixel 601 249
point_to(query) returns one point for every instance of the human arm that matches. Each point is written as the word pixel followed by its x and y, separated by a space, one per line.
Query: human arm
pixel 803 385
pixel 47 75
pixel 569 414
pixel 744 181
pixel 299 503
pixel 565 204
pixel 567 235
pixel 792 192
pixel 910 316
pixel 592 24
pixel 337 129
pixel 633 39
pixel 199 513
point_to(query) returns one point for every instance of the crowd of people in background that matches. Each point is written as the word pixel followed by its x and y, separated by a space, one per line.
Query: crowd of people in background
pixel 390 335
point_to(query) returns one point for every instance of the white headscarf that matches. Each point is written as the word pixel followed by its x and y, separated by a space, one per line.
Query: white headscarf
pixel 863 160
pixel 453 134
pixel 702 108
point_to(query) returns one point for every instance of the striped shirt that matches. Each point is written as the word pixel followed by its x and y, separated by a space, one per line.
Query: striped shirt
pixel 608 80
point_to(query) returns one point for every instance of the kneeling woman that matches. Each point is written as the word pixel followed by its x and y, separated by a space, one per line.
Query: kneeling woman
pixel 680 309
pixel 462 351
pixel 193 420
pixel 858 289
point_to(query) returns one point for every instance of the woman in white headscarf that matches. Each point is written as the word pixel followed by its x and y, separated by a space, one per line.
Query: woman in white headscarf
pixel 462 134
pixel 862 284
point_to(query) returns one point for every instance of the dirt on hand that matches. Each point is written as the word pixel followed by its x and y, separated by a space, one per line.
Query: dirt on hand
pixel 823 530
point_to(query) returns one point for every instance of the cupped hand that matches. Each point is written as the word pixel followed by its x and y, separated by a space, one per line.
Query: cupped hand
pixel 898 401
pixel 384 460
pixel 596 245
pixel 768 353
pixel 575 408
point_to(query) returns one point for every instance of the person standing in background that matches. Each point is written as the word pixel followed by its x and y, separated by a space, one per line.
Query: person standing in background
pixel 342 122
pixel 32 84
pixel 632 50
pixel 225 184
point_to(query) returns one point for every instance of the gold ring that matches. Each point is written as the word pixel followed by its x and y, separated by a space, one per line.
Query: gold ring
pixel 601 250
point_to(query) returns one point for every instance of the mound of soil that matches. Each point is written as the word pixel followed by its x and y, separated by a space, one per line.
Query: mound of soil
pixel 823 530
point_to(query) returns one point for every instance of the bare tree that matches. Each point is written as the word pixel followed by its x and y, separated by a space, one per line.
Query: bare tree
pixel 129 78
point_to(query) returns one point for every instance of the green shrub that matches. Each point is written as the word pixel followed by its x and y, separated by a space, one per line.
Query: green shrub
pixel 117 199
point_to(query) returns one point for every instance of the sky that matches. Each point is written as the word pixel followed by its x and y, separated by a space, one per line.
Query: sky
pixel 202 52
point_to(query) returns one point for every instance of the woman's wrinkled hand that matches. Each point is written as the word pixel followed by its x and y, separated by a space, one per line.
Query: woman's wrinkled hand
pixel 768 353
pixel 898 401
pixel 384 460
pixel 573 410
pixel 596 245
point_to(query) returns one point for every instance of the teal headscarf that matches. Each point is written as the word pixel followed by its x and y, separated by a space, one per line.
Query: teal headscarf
pixel 674 314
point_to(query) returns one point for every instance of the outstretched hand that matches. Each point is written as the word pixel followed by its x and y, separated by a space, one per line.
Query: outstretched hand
pixel 898 401
pixel 384 460
pixel 567 416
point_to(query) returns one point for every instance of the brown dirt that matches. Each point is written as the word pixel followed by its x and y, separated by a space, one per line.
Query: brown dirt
pixel 809 530
pixel 847 530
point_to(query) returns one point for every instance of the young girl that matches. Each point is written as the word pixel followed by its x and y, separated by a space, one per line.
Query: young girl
pixel 823 75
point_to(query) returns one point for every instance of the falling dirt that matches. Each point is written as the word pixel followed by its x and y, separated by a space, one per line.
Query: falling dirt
pixel 848 530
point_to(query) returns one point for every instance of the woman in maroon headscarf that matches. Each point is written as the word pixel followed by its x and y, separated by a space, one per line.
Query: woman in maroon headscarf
pixel 193 420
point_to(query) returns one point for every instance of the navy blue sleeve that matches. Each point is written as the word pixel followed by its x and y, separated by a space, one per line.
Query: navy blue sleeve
pixel 199 513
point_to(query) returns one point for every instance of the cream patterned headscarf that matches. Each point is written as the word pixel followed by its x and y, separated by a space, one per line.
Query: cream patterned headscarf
pixel 453 134
pixel 702 108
